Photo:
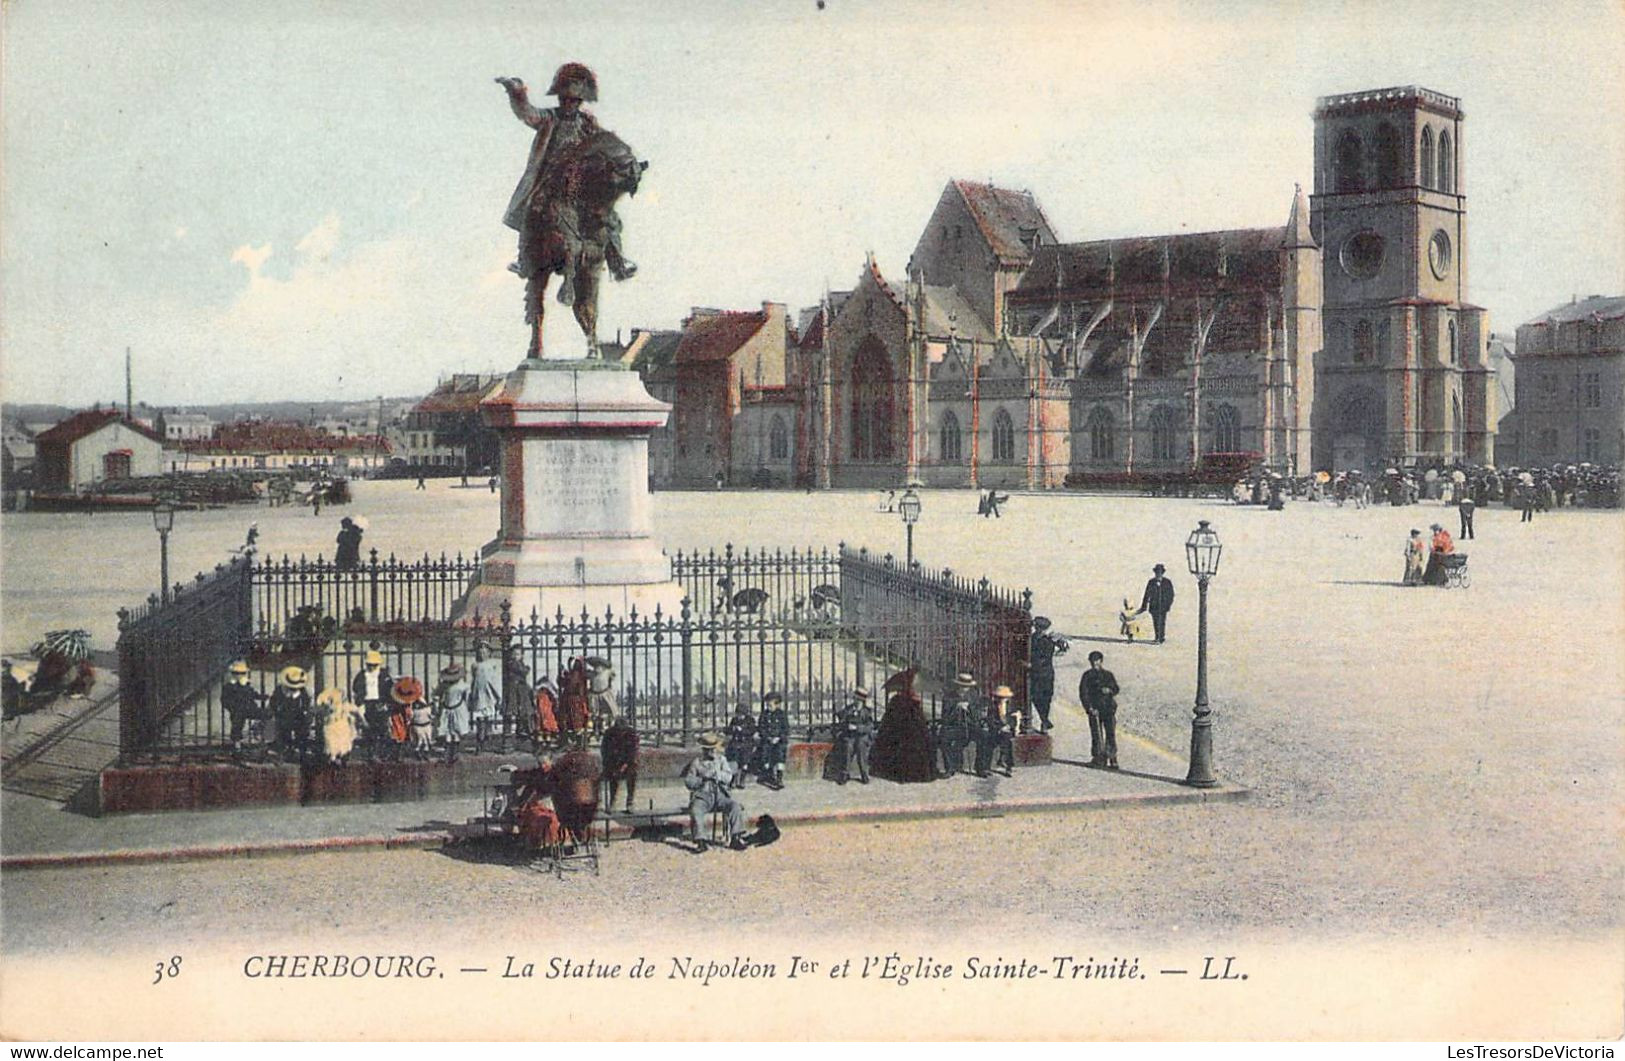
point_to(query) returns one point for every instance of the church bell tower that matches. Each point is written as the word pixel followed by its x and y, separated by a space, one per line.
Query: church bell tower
pixel 1404 372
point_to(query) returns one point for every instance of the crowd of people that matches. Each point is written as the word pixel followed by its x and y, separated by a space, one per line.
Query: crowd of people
pixel 491 703
pixel 1582 485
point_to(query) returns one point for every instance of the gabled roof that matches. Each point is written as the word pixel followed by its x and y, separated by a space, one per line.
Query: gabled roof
pixel 459 394
pixel 81 425
pixel 1001 214
pixel 1239 257
pixel 713 337
pixel 656 350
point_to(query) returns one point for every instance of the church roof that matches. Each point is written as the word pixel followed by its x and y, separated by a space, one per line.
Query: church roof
pixel 1002 214
pixel 713 337
pixel 947 313
pixel 1245 257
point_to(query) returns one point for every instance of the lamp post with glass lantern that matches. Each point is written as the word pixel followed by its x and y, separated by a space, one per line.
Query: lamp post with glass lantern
pixel 1202 550
pixel 909 506
pixel 163 520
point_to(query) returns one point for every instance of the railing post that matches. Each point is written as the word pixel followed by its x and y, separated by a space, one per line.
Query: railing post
pixel 372 609
pixel 687 632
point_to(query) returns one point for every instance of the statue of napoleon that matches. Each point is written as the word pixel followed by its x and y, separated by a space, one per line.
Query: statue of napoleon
pixel 564 206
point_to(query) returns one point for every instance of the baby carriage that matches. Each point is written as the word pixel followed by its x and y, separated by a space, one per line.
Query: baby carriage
pixel 548 811
pixel 1456 575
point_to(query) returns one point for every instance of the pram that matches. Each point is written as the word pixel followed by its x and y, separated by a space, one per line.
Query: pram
pixel 543 812
pixel 1456 575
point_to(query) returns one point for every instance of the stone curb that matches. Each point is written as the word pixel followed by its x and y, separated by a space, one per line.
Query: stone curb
pixel 441 837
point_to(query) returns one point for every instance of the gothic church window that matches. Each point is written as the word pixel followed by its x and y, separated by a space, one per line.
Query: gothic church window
pixel 1455 353
pixel 1102 435
pixel 949 436
pixel 871 403
pixel 1224 432
pixel 1349 149
pixel 1163 428
pixel 1390 167
pixel 1004 437
pixel 1447 164
pixel 778 440
pixel 1424 163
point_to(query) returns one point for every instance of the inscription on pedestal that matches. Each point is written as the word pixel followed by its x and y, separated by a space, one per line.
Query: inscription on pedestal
pixel 581 478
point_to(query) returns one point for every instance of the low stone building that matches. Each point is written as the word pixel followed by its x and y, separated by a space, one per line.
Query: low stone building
pixel 95 446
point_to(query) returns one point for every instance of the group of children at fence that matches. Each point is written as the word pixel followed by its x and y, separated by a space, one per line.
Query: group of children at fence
pixel 491 702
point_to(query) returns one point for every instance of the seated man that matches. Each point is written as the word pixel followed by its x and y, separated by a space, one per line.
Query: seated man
pixel 708 779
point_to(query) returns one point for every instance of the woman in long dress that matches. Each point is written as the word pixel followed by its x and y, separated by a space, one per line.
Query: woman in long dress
pixel 903 745
pixel 451 699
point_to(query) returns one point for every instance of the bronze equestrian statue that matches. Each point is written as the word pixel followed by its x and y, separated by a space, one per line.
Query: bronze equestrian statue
pixel 564 206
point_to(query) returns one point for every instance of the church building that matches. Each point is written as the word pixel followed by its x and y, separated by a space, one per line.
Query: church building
pixel 1337 337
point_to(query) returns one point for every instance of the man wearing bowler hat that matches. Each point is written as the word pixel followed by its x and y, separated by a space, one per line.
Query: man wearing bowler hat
pixel 1158 600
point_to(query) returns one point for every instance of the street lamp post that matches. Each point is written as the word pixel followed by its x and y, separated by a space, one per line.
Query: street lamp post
pixel 1202 550
pixel 163 519
pixel 909 506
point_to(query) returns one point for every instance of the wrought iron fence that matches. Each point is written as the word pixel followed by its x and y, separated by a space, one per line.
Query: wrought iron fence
pixel 173 652
pixel 939 621
pixel 373 594
pixel 820 624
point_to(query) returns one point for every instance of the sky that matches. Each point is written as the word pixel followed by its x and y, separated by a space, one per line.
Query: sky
pixel 304 200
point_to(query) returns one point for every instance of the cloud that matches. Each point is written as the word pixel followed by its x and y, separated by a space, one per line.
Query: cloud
pixel 252 257
pixel 320 242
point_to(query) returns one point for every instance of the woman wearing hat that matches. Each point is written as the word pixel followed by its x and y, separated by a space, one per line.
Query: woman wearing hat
pixel 451 698
pixel 1442 545
pixel 369 690
pixel 903 745
pixel 290 709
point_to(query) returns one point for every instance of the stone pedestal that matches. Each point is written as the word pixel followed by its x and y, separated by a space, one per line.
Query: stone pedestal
pixel 576 511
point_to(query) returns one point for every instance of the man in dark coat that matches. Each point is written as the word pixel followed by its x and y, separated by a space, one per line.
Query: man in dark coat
pixel 856 733
pixel 619 750
pixel 1158 600
pixel 1465 505
pixel 1098 692
pixel 741 737
pixel 369 690
pixel 241 701
pixel 959 710
pixel 1042 648
pixel 347 554
pixel 996 734
pixel 772 741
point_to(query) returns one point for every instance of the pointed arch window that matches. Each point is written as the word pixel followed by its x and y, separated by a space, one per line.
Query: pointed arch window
pixel 871 403
pixel 1447 164
pixel 1349 177
pixel 1224 429
pixel 778 440
pixel 1390 159
pixel 1004 437
pixel 1424 164
pixel 1164 431
pixel 1455 352
pixel 950 438
pixel 1102 434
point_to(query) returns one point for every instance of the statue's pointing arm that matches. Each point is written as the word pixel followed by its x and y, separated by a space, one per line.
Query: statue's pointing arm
pixel 519 100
